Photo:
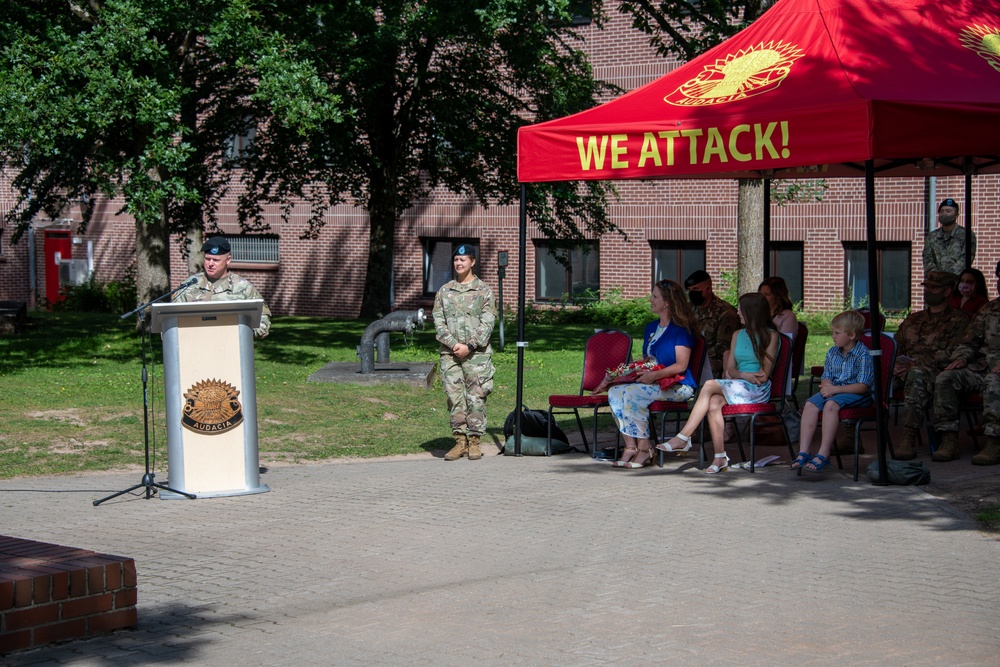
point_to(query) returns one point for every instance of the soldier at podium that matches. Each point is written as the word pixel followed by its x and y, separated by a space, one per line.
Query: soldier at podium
pixel 218 283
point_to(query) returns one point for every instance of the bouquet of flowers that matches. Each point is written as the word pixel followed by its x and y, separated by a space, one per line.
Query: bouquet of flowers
pixel 626 373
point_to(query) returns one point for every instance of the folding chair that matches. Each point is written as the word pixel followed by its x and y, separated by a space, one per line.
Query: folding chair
pixel 677 408
pixel 780 371
pixel 606 349
pixel 861 415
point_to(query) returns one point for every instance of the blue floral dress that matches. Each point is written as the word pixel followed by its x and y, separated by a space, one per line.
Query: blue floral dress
pixel 630 402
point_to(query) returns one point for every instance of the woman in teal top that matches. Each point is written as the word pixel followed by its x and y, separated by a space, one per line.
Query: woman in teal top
pixel 746 379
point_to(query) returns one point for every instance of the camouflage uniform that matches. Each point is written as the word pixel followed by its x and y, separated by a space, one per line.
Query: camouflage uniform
pixel 930 339
pixel 230 287
pixel 946 252
pixel 466 314
pixel 981 351
pixel 718 322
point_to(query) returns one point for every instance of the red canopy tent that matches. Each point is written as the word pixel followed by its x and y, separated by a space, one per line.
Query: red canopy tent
pixel 812 88
pixel 812 85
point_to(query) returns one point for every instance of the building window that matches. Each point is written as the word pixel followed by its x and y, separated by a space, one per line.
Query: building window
pixel 438 268
pixel 583 12
pixel 253 249
pixel 677 260
pixel 786 262
pixel 238 144
pixel 566 269
pixel 893 270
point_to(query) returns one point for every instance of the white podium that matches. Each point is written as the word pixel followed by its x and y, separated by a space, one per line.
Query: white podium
pixel 211 396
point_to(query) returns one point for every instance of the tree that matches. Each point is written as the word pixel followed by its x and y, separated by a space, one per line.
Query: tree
pixel 682 28
pixel 437 90
pixel 141 99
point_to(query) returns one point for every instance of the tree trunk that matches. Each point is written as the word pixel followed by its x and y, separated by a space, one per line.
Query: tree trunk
pixel 750 235
pixel 376 300
pixel 152 258
pixel 195 260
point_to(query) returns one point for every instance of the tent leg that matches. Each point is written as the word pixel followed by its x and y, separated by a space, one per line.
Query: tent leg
pixel 522 235
pixel 876 330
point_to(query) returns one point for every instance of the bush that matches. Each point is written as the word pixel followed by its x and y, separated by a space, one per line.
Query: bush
pixel 118 296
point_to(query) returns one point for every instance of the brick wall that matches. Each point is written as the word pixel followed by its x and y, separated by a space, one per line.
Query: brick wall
pixel 50 593
pixel 325 276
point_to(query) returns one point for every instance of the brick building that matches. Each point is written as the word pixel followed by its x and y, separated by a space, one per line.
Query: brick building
pixel 671 227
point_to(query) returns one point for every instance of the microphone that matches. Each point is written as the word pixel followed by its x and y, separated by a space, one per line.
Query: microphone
pixel 191 281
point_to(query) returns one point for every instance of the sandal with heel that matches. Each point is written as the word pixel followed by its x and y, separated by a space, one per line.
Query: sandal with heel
pixel 635 464
pixel 714 468
pixel 626 458
pixel 665 446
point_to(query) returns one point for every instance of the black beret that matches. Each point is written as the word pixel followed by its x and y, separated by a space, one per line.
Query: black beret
pixel 466 250
pixel 949 202
pixel 217 245
pixel 698 276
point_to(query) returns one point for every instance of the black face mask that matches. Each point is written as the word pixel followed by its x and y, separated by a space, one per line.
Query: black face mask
pixel 934 298
pixel 696 298
pixel 947 218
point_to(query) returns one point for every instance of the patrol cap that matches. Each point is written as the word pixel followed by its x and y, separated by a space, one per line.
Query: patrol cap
pixel 217 245
pixel 465 249
pixel 698 276
pixel 940 279
pixel 948 202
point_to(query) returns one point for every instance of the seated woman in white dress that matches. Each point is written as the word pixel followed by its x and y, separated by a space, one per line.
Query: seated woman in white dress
pixel 746 379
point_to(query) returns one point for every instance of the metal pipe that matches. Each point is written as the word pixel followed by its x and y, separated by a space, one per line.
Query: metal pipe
pixel 876 327
pixel 401 320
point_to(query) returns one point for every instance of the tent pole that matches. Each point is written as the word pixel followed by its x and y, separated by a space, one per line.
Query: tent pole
pixel 767 228
pixel 968 212
pixel 876 329
pixel 522 234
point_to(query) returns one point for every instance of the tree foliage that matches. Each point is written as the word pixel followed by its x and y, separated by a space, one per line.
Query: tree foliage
pixel 141 99
pixel 436 90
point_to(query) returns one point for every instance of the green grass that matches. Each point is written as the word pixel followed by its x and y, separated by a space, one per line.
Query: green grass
pixel 989 518
pixel 71 395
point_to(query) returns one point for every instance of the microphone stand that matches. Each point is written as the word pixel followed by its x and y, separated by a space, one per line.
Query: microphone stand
pixel 148 479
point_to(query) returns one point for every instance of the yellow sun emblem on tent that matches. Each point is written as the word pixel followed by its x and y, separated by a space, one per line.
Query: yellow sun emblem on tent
pixel 749 72
pixel 985 41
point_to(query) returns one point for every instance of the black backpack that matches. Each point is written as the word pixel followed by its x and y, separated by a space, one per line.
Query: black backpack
pixel 534 424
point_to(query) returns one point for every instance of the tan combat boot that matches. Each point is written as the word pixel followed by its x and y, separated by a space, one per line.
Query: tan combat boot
pixel 474 453
pixel 460 449
pixel 948 451
pixel 989 455
pixel 845 439
pixel 907 449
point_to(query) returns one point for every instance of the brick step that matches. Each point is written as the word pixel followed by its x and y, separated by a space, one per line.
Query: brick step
pixel 50 592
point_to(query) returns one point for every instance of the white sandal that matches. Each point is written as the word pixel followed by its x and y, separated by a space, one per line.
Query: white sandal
pixel 713 469
pixel 665 446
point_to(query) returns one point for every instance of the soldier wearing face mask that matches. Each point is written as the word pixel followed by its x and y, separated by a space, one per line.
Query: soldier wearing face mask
pixel 975 368
pixel 925 342
pixel 944 248
pixel 717 320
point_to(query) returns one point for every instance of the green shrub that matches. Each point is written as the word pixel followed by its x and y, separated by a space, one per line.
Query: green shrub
pixel 118 296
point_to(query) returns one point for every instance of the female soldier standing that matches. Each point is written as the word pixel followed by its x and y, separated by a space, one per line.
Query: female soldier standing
pixel 464 314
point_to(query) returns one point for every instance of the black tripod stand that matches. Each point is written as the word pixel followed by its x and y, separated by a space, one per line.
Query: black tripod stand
pixel 147 479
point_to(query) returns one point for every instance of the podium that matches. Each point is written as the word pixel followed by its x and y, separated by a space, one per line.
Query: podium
pixel 211 396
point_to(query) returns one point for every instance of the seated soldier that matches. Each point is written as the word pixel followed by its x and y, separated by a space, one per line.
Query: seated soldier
pixel 717 320
pixel 975 369
pixel 926 339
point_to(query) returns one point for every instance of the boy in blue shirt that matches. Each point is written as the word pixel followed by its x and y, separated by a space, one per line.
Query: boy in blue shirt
pixel 848 377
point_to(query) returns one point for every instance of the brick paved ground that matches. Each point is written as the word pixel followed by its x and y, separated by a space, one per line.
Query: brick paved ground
pixel 530 561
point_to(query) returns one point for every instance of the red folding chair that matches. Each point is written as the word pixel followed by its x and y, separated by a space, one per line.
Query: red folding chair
pixel 861 415
pixel 677 408
pixel 780 376
pixel 606 349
